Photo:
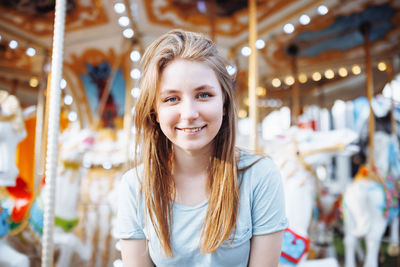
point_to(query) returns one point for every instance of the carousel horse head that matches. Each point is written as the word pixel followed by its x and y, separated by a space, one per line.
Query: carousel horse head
pixel 385 144
pixel 74 143
pixel 10 111
pixel 12 131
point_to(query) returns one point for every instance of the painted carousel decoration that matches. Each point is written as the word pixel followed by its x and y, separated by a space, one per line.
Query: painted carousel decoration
pixel 14 198
pixel 231 17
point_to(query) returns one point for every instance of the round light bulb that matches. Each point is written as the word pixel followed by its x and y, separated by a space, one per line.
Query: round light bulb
pixel 289 80
pixel 68 100
pixel 329 74
pixel 119 8
pixel 13 44
pixel 72 116
pixel 276 82
pixel 135 56
pixel 31 51
pixel 63 84
pixel 135 74
pixel 242 113
pixel 246 51
pixel 33 82
pixel 322 10
pixel 231 69
pixel 261 91
pixel 304 19
pixel 135 92
pixel 316 76
pixel 382 66
pixel 356 69
pixel 342 72
pixel 259 44
pixel 288 28
pixel 123 21
pixel 128 33
pixel 302 78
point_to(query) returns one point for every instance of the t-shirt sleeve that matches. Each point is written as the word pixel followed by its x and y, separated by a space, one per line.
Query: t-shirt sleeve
pixel 268 209
pixel 128 221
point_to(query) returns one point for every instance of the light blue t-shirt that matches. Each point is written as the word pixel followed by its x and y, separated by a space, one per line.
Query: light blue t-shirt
pixel 261 212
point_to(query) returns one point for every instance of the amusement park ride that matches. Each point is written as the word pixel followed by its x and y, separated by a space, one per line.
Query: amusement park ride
pixel 301 54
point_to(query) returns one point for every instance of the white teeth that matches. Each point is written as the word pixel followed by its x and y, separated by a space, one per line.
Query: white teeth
pixel 191 130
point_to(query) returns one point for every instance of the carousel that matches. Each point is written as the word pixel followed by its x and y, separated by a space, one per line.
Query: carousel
pixel 317 85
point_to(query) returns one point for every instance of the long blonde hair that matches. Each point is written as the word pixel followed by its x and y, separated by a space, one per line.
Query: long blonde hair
pixel 154 150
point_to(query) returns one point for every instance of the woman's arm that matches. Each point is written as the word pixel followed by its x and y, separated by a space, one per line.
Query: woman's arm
pixel 265 250
pixel 135 253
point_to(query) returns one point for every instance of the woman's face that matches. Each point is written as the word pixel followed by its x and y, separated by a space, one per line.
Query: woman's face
pixel 190 105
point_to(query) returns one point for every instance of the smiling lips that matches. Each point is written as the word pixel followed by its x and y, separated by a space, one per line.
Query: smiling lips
pixel 191 130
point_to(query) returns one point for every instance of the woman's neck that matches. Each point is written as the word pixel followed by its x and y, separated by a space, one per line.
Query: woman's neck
pixel 190 176
pixel 191 164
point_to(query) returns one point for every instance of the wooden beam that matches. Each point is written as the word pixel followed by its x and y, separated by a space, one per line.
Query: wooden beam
pixel 253 75
pixel 365 29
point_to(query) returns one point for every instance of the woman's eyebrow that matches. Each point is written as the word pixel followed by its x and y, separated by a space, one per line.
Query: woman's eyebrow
pixel 203 87
pixel 169 91
pixel 175 91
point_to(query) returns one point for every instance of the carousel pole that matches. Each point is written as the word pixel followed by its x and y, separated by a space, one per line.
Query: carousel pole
pixel 213 20
pixel 293 51
pixel 365 30
pixel 52 133
pixel 389 72
pixel 253 75
pixel 129 102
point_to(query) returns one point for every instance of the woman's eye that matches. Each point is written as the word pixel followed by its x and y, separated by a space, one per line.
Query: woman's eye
pixel 204 95
pixel 171 99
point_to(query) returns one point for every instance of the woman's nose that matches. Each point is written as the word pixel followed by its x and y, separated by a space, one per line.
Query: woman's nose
pixel 189 110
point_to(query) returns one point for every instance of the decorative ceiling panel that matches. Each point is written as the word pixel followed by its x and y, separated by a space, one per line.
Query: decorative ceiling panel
pixel 37 17
pixel 231 17
pixel 336 36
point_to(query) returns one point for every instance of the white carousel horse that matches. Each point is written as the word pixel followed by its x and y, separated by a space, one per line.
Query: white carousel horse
pixel 297 154
pixel 74 143
pixel 12 131
pixel 367 206
pixel 105 162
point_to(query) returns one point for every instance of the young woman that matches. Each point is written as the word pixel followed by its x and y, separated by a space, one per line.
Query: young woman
pixel 193 199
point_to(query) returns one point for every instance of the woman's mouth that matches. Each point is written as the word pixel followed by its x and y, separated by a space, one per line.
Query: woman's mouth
pixel 191 130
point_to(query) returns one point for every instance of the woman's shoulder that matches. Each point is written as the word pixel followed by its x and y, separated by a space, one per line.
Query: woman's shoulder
pixel 258 167
pixel 132 178
pixel 249 160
